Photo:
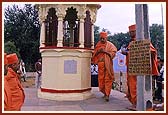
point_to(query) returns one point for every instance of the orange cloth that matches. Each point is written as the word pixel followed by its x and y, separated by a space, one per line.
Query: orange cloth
pixel 131 83
pixel 5 59
pixel 132 80
pixel 132 27
pixel 154 60
pixel 16 88
pixel 7 96
pixel 105 82
pixel 12 58
pixel 105 66
pixel 7 92
pixel 103 35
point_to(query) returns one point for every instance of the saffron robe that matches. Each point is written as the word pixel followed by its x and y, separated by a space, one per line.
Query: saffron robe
pixel 105 66
pixel 132 79
pixel 17 92
pixel 7 95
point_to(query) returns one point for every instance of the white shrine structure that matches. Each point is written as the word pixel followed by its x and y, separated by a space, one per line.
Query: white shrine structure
pixel 66 45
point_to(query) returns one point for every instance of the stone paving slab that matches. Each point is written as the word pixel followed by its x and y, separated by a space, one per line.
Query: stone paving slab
pixel 117 102
pixel 53 108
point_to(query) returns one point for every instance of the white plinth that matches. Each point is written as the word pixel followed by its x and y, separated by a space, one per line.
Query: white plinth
pixel 65 74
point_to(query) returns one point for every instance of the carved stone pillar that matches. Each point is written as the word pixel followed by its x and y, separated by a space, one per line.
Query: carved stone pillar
pixel 93 20
pixel 42 35
pixel 81 33
pixel 41 14
pixel 60 32
pixel 92 37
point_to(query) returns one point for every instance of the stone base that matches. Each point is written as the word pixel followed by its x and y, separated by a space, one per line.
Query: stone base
pixel 65 74
pixel 65 96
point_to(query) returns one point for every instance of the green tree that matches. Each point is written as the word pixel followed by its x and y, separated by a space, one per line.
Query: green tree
pixel 119 39
pixel 96 34
pixel 22 27
pixel 157 38
pixel 11 48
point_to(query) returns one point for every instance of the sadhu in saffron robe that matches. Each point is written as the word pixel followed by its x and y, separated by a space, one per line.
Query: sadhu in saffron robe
pixel 132 79
pixel 105 66
pixel 17 92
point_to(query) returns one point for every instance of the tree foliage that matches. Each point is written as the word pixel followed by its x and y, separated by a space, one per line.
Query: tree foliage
pixel 21 26
pixel 11 48
pixel 119 39
pixel 96 34
pixel 157 38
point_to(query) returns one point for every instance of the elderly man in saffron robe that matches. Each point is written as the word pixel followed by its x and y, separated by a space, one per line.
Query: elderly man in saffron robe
pixel 17 92
pixel 103 54
pixel 7 91
pixel 132 79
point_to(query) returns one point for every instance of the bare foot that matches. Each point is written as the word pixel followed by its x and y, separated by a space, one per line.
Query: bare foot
pixel 106 98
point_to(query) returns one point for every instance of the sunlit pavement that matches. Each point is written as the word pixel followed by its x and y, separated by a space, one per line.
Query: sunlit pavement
pixel 117 102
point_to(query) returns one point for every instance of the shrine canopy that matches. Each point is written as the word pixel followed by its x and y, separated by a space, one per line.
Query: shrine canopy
pixel 67 25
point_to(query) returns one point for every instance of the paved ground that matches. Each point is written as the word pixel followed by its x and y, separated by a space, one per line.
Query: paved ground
pixel 96 104
pixel 30 82
pixel 117 102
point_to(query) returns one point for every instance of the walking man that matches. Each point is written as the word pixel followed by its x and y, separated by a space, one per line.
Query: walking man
pixel 103 54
